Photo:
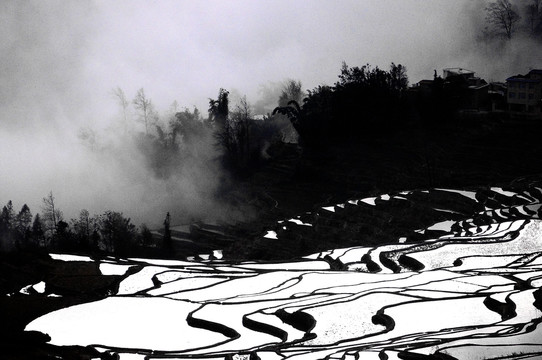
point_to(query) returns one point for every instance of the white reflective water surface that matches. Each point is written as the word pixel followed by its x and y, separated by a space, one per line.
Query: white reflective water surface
pixel 470 293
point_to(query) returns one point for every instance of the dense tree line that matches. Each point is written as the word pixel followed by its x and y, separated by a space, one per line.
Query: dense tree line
pixel 242 139
pixel 108 233
pixel 170 145
pixel 229 134
pixel 363 102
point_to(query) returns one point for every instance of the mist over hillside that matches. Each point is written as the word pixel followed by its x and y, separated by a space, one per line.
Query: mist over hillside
pixel 271 179
pixel 60 62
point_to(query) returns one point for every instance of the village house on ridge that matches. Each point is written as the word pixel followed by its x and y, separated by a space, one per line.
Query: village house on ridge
pixel 520 96
pixel 525 92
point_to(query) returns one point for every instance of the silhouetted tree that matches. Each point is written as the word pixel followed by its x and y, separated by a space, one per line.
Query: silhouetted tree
pixel 8 216
pixel 291 90
pixel 146 110
pixel 184 136
pixel 240 120
pixel 24 219
pixel 233 132
pixel 167 241
pixel 165 140
pixel 50 215
pixel 313 118
pixel 117 232
pixel 83 228
pixel 7 228
pixel 398 78
pixel 534 13
pixel 159 151
pixel 64 237
pixel 219 117
pixel 219 110
pixel 292 110
pixel 23 224
pixel 187 127
pixel 95 239
pixel 38 233
pixel 146 235
pixel 123 102
pixel 364 102
pixel 503 17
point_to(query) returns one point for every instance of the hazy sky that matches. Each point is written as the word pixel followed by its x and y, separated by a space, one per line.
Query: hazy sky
pixel 59 61
pixel 73 53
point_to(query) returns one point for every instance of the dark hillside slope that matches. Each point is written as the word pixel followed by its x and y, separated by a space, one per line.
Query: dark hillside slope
pixel 473 155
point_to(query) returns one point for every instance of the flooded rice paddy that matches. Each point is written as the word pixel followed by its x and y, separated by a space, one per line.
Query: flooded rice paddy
pixel 465 291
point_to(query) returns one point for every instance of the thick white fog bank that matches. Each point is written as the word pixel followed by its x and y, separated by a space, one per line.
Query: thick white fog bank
pixel 113 177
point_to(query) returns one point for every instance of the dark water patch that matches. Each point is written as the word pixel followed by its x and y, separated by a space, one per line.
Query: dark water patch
pixel 298 320
pixel 265 328
pixel 507 310
pixel 211 326
pixel 371 265
pixel 410 263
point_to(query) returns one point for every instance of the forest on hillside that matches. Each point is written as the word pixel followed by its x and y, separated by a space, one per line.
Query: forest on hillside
pixel 366 105
pixel 368 112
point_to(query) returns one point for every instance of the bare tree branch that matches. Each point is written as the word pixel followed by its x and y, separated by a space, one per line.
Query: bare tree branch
pixel 123 102
pixel 502 16
pixel 145 107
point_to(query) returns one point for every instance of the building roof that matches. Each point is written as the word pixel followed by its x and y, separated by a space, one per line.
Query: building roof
pixel 458 71
pixel 521 78
pixel 526 78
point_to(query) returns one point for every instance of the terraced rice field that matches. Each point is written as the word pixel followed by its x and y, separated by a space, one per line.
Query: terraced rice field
pixel 465 287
